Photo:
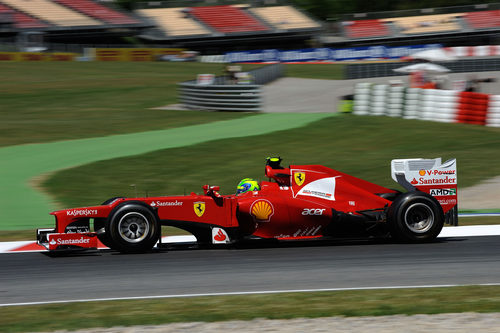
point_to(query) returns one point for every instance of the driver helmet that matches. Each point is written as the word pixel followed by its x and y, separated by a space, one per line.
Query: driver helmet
pixel 247 184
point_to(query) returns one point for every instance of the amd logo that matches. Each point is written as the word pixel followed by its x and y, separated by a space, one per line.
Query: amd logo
pixel 443 191
pixel 313 211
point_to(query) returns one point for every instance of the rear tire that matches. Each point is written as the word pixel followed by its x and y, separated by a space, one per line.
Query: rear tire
pixel 415 217
pixel 133 228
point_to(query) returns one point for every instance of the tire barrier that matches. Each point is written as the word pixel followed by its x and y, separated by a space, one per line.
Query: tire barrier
pixel 447 106
pixel 493 116
pixel 225 96
pixel 220 97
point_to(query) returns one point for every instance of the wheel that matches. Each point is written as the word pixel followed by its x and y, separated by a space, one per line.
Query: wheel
pixel 415 217
pixel 133 228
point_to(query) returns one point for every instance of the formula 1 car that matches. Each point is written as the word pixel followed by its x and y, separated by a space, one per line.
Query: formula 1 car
pixel 298 202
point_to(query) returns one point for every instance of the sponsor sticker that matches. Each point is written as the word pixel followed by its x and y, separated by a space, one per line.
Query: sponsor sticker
pixel 443 191
pixel 81 212
pixel 199 208
pixel 313 211
pixel 166 203
pixel 299 178
pixel 447 201
pixel 262 210
pixel 436 172
pixel 323 188
pixel 81 240
pixel 434 181
pixel 219 236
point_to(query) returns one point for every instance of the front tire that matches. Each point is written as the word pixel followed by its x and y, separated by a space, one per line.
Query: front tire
pixel 415 217
pixel 133 228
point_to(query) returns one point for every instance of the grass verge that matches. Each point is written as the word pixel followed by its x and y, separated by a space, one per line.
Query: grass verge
pixel 380 302
pixel 52 101
pixel 360 146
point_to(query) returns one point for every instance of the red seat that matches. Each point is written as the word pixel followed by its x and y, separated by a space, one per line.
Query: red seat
pixel 227 19
pixel 483 19
pixel 22 20
pixel 366 28
pixel 98 11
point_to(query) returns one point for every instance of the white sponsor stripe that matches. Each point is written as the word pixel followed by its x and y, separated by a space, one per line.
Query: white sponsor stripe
pixel 259 292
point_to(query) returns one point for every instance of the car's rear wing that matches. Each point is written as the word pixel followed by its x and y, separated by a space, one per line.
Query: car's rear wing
pixel 432 177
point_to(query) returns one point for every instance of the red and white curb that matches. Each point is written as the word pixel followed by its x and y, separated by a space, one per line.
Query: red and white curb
pixel 463 231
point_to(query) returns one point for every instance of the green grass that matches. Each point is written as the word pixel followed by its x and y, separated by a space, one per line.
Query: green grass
pixel 360 146
pixel 51 101
pixel 76 316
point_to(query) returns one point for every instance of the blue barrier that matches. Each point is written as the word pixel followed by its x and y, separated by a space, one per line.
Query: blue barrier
pixel 327 54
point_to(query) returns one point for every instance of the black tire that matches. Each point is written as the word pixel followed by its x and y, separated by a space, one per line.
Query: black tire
pixel 415 217
pixel 133 228
pixel 100 226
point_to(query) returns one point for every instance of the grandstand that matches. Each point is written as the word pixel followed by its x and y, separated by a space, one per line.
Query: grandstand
pixel 98 11
pixel 55 14
pixel 227 19
pixel 67 21
pixel 483 20
pixel 227 25
pixel 20 20
pixel 366 29
pixel 234 26
pixel 461 25
pixel 427 23
pixel 174 21
pixel 47 15
pixel 284 18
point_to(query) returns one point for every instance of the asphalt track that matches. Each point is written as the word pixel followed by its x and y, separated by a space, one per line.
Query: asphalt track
pixel 22 207
pixel 36 277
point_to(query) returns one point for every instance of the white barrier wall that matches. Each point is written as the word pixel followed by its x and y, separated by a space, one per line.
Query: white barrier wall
pixel 427 104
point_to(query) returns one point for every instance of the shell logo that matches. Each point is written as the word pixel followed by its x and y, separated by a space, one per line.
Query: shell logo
pixel 262 210
pixel 421 172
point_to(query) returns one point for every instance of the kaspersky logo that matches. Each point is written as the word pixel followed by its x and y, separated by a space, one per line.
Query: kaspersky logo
pixel 299 178
pixel 262 210
pixel 199 208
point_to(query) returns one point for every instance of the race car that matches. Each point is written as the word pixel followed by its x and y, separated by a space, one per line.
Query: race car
pixel 296 202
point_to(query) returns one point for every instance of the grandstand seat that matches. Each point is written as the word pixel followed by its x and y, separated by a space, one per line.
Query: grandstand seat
pixel 426 23
pixel 284 17
pixel 98 11
pixel 227 19
pixel 174 21
pixel 366 28
pixel 22 20
pixel 52 12
pixel 483 19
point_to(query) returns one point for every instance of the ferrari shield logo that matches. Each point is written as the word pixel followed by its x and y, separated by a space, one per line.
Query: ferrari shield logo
pixel 299 178
pixel 199 208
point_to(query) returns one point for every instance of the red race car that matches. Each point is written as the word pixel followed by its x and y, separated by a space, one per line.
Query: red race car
pixel 298 202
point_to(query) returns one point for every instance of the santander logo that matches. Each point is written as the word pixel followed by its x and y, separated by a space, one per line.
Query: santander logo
pixel 220 237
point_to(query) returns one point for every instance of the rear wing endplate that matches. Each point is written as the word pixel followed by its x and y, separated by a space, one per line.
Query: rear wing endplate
pixel 433 177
